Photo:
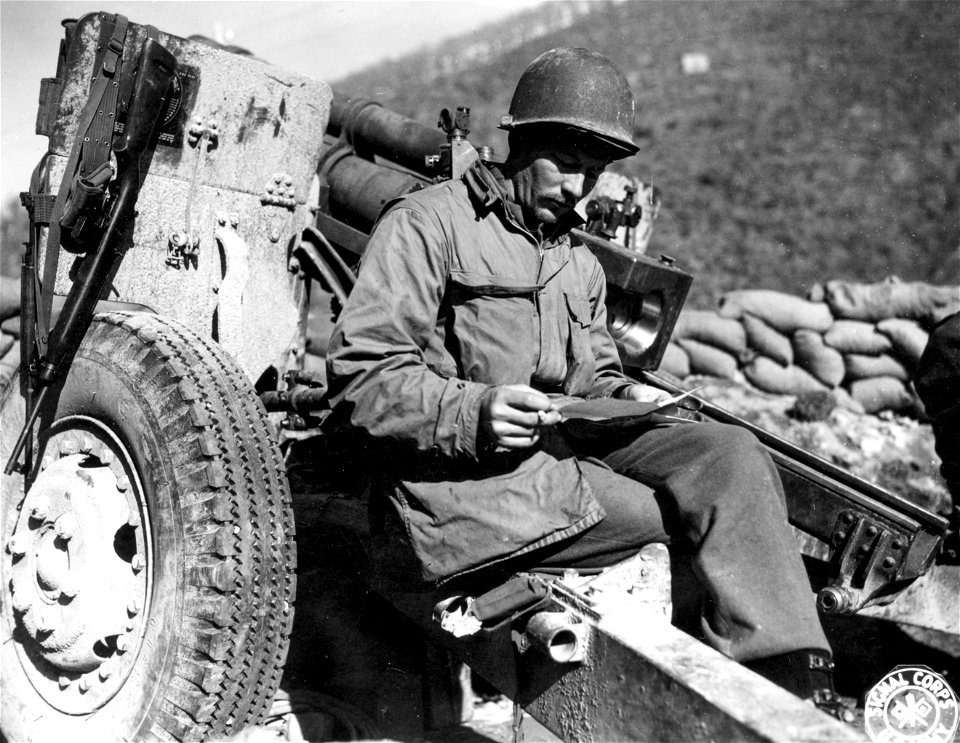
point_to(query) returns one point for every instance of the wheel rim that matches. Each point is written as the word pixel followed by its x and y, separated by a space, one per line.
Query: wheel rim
pixel 80 567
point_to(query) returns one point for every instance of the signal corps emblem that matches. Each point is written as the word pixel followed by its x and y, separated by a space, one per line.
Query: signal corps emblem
pixel 911 704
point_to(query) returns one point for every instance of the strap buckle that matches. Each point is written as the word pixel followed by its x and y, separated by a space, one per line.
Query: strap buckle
pixel 114 50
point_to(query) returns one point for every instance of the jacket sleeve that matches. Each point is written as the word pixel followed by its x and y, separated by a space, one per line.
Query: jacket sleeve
pixel 378 379
pixel 609 378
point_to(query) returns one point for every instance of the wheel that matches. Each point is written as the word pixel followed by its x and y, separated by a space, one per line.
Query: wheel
pixel 149 569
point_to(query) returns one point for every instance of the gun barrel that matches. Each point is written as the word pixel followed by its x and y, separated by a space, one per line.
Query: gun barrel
pixel 375 130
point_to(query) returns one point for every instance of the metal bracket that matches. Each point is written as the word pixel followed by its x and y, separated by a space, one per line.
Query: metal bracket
pixel 183 250
pixel 200 130
pixel 279 191
pixel 867 557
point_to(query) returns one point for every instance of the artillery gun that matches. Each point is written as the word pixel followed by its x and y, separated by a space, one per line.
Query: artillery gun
pixel 193 205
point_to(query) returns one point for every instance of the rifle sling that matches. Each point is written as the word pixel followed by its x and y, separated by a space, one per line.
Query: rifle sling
pixel 109 60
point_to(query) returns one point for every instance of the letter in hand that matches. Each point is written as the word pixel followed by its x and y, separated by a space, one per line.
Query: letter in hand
pixel 512 416
pixel 644 393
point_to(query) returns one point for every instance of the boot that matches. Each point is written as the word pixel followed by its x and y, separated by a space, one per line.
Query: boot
pixel 809 675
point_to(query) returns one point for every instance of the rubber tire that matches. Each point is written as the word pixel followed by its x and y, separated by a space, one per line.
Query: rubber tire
pixel 221 607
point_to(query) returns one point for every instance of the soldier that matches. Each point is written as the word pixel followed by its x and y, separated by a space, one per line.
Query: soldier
pixel 472 312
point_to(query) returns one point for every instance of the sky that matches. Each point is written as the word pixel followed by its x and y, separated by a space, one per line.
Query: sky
pixel 322 39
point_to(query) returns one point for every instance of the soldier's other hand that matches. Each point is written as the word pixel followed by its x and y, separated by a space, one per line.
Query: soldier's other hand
pixel 643 393
pixel 512 416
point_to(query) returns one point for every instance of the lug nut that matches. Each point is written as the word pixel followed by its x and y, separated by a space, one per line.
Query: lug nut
pixel 133 608
pixel 40 507
pixel 64 682
pixel 136 563
pixel 18 545
pixel 106 456
pixel 896 544
pixel 123 644
pixel 21 602
pixel 123 482
pixel 86 444
pixel 871 531
pixel 67 447
pixel 66 526
pixel 68 589
pixel 889 562
pixel 47 461
pixel 105 672
pixel 84 684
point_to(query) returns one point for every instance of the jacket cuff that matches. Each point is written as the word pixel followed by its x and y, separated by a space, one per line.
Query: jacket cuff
pixel 469 419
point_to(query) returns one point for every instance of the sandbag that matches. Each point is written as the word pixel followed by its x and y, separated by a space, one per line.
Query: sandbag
pixel 881 393
pixel 9 297
pixel 767 375
pixel 860 366
pixel 675 361
pixel 856 336
pixel 926 303
pixel 6 343
pixel 9 365
pixel 785 312
pixel 708 327
pixel 906 337
pixel 766 341
pixel 811 354
pixel 709 360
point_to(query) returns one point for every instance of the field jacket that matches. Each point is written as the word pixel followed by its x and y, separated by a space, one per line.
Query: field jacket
pixel 454 296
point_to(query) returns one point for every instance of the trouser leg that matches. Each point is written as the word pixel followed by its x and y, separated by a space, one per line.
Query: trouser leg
pixel 719 491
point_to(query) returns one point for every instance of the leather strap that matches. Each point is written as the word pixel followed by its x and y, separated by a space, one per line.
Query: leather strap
pixel 107 65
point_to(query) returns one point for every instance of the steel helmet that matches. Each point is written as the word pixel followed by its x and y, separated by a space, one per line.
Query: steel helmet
pixel 579 88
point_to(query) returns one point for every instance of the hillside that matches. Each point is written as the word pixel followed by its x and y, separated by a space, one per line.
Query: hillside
pixel 822 142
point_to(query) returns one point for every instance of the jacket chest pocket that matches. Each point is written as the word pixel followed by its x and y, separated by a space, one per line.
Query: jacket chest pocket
pixel 492 330
pixel 581 364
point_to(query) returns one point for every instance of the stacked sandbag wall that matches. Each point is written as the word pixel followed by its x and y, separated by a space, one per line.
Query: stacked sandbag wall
pixel 9 329
pixel 860 339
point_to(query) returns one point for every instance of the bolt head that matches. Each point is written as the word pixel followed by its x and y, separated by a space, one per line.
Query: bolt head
pixel 889 562
pixel 871 531
pixel 18 545
pixel 47 461
pixel 67 526
pixel 846 516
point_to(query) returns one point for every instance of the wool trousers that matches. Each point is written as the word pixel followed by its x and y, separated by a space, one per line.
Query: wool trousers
pixel 711 492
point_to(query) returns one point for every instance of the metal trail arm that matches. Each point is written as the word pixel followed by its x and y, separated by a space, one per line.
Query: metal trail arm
pixel 154 73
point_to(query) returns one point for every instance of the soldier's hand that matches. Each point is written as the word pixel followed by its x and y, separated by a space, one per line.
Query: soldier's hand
pixel 512 416
pixel 643 393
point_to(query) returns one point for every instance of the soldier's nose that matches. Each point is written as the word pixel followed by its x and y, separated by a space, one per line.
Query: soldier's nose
pixel 573 186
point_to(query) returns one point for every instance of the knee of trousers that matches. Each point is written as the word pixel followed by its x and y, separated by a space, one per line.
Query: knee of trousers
pixel 733 448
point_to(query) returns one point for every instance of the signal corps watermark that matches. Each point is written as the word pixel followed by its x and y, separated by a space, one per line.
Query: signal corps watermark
pixel 911 704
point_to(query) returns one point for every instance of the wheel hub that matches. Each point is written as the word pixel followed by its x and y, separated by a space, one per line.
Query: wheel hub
pixel 77 568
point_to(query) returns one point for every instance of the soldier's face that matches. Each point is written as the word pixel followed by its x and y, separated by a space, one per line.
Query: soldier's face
pixel 555 178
